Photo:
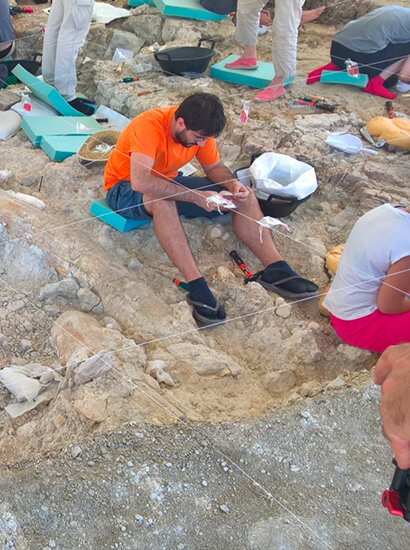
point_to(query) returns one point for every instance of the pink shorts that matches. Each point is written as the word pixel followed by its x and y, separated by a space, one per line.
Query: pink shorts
pixel 374 332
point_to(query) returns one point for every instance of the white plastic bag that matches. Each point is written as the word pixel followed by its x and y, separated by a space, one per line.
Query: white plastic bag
pixel 273 173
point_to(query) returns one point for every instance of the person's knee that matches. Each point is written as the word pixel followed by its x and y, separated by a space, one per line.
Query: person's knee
pixel 154 206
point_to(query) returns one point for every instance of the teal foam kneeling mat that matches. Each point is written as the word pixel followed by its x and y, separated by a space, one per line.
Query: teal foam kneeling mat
pixel 45 92
pixel 342 77
pixel 37 127
pixel 190 9
pixel 255 78
pixel 134 3
pixel 101 210
pixel 58 148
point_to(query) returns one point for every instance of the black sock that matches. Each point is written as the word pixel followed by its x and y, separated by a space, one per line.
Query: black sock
pixel 278 271
pixel 199 292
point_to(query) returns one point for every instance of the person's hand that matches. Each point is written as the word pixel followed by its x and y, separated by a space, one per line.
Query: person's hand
pixel 239 191
pixel 202 201
pixel 393 374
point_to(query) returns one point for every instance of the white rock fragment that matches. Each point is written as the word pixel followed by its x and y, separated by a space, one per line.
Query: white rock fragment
pixel 5 175
pixel 224 508
pixel 75 452
pixel 28 199
pixel 156 370
pixel 336 384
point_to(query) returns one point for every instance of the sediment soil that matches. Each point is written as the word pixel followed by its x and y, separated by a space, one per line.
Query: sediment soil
pixel 260 434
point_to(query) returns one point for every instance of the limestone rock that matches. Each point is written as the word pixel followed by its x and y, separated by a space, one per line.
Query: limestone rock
pixel 89 301
pixel 124 40
pixel 156 369
pixel 174 28
pixel 26 264
pixel 75 329
pixel 204 361
pixel 30 181
pixel 66 288
pixel 81 373
pixel 279 382
pixel 146 26
pixel 336 384
pixel 93 407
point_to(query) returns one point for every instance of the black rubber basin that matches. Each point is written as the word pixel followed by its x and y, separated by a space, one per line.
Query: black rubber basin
pixel 193 59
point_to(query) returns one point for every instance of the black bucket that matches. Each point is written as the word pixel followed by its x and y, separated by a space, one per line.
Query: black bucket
pixel 31 65
pixel 191 59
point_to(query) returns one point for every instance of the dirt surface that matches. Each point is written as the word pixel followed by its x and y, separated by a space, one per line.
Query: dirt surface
pixel 170 411
pixel 310 477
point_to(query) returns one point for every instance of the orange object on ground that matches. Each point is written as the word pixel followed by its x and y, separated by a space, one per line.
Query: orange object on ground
pixel 333 258
pixel 320 305
pixel 149 133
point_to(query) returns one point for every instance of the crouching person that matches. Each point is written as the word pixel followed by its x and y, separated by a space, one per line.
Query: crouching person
pixel 368 300
pixel 142 181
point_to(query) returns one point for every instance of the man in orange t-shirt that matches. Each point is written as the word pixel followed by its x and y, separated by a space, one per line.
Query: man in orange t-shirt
pixel 142 182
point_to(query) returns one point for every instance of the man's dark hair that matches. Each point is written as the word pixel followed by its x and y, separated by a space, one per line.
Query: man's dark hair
pixel 202 113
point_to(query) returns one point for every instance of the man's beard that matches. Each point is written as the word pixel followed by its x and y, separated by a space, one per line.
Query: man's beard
pixel 181 138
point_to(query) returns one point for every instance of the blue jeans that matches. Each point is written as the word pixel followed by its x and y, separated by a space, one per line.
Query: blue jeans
pixel 129 203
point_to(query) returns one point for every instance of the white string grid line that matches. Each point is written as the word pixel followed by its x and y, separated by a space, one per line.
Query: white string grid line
pixel 233 94
pixel 237 466
pixel 271 498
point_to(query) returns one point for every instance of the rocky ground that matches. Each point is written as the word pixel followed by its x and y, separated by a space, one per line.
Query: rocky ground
pixel 72 287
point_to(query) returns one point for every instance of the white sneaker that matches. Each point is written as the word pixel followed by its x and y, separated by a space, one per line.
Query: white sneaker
pixel 402 87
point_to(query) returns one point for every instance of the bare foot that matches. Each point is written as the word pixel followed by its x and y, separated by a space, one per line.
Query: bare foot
pixel 311 15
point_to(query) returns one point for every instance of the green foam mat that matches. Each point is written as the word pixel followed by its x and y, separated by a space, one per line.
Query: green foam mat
pixel 38 126
pixel 134 3
pixel 255 78
pixel 100 209
pixel 58 148
pixel 190 9
pixel 342 77
pixel 45 92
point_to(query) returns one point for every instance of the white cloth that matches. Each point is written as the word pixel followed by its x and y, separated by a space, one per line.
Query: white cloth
pixel 379 239
pixel 247 21
pixel 66 31
pixel 284 27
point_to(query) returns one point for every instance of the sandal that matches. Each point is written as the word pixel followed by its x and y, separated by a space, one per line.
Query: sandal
pixel 302 288
pixel 204 319
pixel 275 287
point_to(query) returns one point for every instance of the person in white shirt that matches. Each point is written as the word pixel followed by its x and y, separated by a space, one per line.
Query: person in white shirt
pixel 369 299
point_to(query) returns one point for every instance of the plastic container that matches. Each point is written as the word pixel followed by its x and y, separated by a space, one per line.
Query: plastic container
pixel 186 59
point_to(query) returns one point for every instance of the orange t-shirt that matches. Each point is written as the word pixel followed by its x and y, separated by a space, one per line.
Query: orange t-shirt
pixel 149 133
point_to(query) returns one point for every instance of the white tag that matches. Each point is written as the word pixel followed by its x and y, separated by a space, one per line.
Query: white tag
pixel 270 223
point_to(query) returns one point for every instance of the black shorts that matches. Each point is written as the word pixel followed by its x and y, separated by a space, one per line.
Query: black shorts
pixel 371 64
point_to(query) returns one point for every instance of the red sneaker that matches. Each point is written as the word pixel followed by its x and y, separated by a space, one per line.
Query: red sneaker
pixel 315 75
pixel 375 87
pixel 245 64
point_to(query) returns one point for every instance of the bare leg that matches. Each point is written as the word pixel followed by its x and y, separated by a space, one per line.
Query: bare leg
pixel 247 60
pixel 405 70
pixel 395 67
pixel 274 90
pixel 311 15
pixel 171 236
pixel 249 231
